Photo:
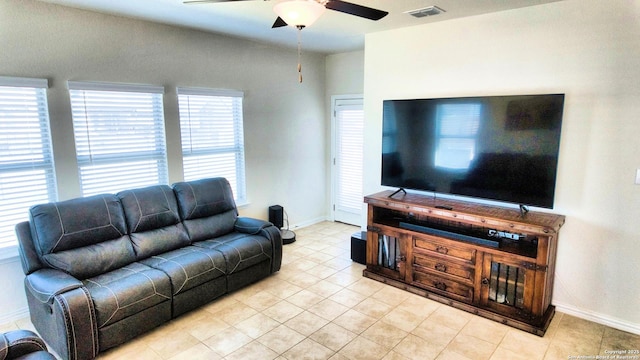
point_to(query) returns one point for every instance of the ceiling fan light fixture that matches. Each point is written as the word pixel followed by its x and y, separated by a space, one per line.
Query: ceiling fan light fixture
pixel 299 13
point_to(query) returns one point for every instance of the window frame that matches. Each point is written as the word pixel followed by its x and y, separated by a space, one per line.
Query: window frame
pixel 39 160
pixel 234 146
pixel 94 160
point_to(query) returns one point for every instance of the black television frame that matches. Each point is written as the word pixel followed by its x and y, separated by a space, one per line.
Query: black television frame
pixel 512 121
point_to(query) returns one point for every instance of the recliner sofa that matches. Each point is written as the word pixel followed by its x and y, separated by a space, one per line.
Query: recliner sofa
pixel 103 269
pixel 23 345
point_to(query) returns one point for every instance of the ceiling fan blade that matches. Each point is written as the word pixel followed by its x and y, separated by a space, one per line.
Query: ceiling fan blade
pixel 279 23
pixel 355 9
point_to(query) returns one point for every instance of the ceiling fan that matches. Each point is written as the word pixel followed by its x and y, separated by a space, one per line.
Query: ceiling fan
pixel 336 5
pixel 302 13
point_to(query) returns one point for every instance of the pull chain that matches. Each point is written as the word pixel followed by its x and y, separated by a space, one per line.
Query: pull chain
pixel 300 53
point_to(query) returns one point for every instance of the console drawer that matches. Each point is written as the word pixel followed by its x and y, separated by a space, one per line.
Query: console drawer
pixel 430 244
pixel 427 263
pixel 453 289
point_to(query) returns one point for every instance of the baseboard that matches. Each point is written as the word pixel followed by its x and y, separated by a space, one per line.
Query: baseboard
pixel 14 316
pixel 598 318
pixel 308 223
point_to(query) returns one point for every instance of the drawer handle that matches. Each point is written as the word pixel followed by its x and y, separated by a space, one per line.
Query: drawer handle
pixel 441 267
pixel 440 285
pixel 442 250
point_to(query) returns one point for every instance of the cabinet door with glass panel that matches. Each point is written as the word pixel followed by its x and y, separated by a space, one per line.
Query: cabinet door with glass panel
pixel 387 252
pixel 508 286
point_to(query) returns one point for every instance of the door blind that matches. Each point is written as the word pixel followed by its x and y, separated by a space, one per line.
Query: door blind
pixel 350 122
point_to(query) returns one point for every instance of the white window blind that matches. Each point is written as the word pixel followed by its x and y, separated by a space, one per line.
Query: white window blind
pixel 212 136
pixel 26 159
pixel 457 129
pixel 119 134
pixel 350 143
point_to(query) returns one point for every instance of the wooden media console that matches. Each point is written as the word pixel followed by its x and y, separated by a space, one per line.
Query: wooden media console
pixel 492 261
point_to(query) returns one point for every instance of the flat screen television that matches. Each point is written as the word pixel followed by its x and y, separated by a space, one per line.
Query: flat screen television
pixel 502 148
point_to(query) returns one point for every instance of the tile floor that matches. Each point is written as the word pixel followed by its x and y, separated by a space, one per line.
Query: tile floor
pixel 320 307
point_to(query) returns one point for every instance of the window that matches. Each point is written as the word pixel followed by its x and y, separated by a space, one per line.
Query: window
pixel 119 134
pixel 457 127
pixel 26 160
pixel 212 136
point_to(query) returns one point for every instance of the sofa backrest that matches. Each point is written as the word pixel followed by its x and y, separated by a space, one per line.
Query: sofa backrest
pixel 206 207
pixel 153 221
pixel 83 237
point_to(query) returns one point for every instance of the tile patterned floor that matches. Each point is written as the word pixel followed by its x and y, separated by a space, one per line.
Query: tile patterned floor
pixel 320 307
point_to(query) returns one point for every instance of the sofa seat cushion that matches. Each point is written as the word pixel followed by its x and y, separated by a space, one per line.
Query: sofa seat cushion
pixel 129 290
pixel 189 267
pixel 240 250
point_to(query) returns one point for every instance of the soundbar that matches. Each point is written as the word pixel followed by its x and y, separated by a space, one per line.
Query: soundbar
pixel 449 234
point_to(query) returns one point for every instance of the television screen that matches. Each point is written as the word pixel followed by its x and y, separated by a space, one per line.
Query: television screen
pixel 502 148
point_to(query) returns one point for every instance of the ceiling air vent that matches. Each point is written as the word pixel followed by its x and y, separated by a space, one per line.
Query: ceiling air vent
pixel 428 11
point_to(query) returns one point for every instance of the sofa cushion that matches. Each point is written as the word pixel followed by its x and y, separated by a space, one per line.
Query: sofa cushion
pixel 189 267
pixel 206 207
pixel 83 237
pixel 127 291
pixel 210 227
pixel 152 218
pixel 93 260
pixel 240 250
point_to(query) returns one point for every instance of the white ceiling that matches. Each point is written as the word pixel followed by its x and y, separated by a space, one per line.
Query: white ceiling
pixel 334 32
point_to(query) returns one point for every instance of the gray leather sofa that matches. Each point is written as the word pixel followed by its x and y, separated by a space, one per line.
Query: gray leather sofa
pixel 101 270
pixel 23 345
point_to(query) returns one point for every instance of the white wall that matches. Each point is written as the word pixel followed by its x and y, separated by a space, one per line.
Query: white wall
pixel 13 302
pixel 345 73
pixel 285 122
pixel 587 49
pixel 345 76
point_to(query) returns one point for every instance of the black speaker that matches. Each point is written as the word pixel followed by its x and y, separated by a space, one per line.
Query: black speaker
pixel 275 216
pixel 359 247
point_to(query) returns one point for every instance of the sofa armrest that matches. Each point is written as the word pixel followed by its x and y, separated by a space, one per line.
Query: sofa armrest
pixel 44 284
pixel 63 313
pixel 17 343
pixel 28 255
pixel 268 230
pixel 250 225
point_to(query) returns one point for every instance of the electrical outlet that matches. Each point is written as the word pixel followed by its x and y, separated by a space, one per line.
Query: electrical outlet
pixel 638 177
